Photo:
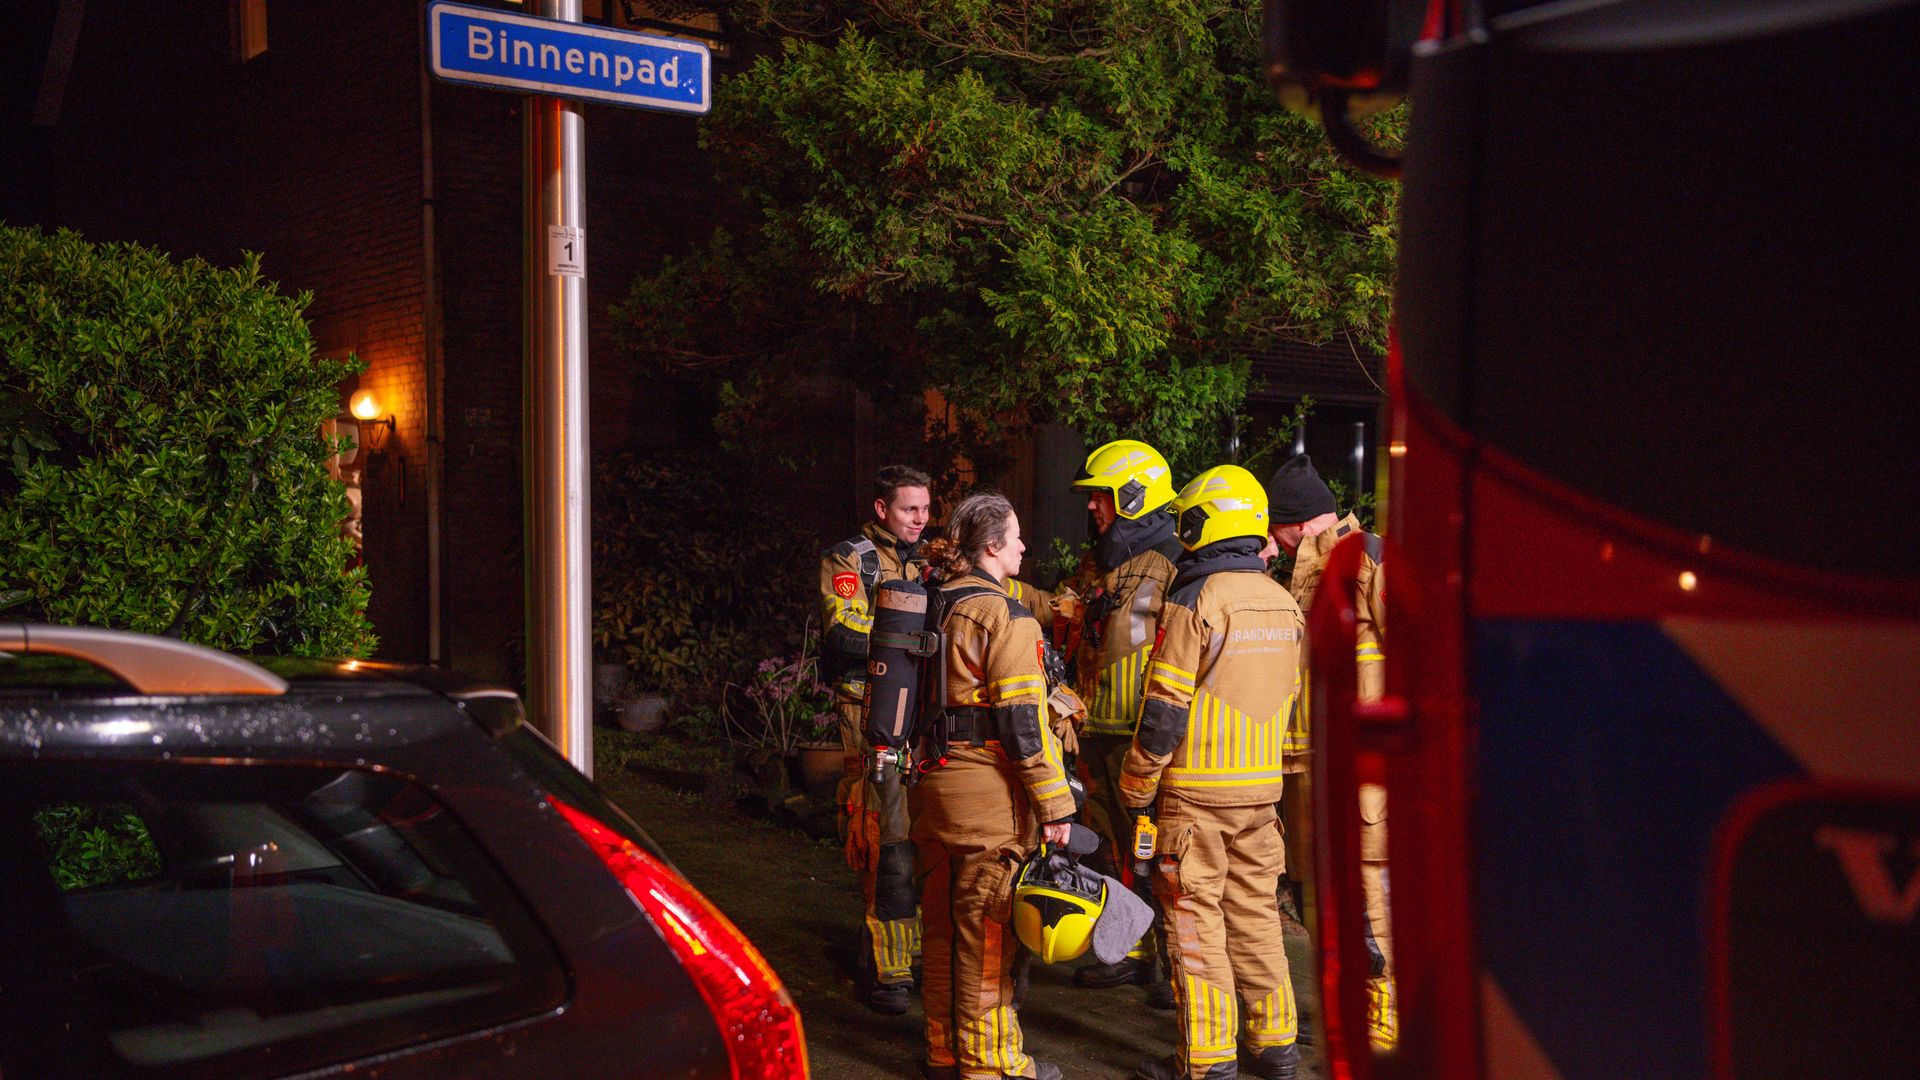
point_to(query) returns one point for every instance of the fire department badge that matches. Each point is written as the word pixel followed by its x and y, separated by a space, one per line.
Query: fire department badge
pixel 845 585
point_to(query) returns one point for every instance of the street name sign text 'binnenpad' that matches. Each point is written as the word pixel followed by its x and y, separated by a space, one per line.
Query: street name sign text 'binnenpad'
pixel 506 51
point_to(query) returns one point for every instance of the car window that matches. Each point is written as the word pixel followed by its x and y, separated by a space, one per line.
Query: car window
pixel 552 772
pixel 249 920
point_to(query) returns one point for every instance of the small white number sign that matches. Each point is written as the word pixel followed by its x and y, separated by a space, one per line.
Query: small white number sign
pixel 566 251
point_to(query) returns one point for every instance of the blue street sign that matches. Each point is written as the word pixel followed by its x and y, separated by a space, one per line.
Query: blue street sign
pixel 546 56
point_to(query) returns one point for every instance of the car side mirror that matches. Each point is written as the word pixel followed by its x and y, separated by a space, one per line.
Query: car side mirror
pixel 1342 58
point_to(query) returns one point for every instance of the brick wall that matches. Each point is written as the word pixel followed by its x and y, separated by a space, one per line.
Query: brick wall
pixel 650 193
pixel 309 154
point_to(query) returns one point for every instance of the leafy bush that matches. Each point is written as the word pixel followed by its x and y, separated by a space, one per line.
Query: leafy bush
pixel 88 845
pixel 697 573
pixel 165 469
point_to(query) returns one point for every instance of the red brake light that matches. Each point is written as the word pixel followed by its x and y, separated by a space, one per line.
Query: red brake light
pixel 758 1021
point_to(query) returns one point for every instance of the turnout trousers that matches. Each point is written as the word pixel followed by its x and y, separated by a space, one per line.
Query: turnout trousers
pixel 972 827
pixel 1107 816
pixel 1218 869
pixel 1383 1018
pixel 873 826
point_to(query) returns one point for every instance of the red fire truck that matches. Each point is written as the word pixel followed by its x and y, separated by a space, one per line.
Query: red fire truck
pixel 1653 601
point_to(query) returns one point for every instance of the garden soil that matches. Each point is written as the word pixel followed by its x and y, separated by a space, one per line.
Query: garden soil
pixel 794 897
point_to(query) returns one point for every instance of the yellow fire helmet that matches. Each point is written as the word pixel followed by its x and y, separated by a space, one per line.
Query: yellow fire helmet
pixel 1056 901
pixel 1140 479
pixel 1220 504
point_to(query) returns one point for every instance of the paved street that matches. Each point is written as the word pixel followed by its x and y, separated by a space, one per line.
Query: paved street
pixel 794 897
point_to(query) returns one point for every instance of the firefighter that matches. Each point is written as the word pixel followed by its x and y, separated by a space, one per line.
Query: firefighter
pixel 999 788
pixel 1206 767
pixel 873 818
pixel 1307 524
pixel 1128 486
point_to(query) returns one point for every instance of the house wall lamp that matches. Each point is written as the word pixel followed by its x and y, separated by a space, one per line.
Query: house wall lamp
pixel 365 407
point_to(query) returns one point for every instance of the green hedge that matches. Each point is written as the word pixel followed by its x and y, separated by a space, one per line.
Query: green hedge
pixel 161 462
pixel 699 572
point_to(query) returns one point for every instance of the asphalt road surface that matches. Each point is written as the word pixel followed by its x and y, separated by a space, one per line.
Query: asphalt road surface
pixel 795 898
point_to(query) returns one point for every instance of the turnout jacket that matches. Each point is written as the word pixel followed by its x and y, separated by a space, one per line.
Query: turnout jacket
pixel 1220 685
pixel 849 572
pixel 1308 564
pixel 1134 561
pixel 994 672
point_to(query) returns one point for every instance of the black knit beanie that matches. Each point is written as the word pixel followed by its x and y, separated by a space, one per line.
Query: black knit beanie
pixel 1296 493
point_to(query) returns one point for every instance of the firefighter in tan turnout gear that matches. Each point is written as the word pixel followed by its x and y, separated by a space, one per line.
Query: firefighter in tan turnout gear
pixel 874 817
pixel 1206 764
pixel 1128 485
pixel 1307 524
pixel 992 788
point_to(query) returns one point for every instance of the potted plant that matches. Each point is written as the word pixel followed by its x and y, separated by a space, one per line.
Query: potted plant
pixel 788 715
pixel 820 757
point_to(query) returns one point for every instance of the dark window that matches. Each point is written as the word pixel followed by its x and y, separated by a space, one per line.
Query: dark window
pixel 241 920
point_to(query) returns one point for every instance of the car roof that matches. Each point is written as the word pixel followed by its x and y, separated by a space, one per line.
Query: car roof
pixel 48 702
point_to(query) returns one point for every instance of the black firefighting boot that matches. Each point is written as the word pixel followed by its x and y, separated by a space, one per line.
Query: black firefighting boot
pixel 1127 971
pixel 1168 1068
pixel 1042 1070
pixel 1271 1063
pixel 887 999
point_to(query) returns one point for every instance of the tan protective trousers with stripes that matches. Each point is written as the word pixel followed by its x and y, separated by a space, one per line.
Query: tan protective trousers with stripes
pixel 872 816
pixel 1383 1020
pixel 972 827
pixel 1109 818
pixel 1217 872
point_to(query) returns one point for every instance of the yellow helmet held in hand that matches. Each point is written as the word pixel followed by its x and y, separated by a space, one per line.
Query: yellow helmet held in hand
pixel 1222 503
pixel 1056 901
pixel 1140 479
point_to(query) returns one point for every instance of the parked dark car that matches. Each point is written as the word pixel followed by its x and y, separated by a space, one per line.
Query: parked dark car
pixel 220 867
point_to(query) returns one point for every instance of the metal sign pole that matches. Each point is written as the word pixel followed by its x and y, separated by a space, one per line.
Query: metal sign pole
pixel 559 642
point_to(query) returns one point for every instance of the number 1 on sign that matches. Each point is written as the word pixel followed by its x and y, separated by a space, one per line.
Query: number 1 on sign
pixel 566 251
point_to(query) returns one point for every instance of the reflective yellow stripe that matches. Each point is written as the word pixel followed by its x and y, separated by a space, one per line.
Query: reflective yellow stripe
pixel 1218 778
pixel 1019 686
pixel 1117 696
pixel 853 616
pixel 1176 678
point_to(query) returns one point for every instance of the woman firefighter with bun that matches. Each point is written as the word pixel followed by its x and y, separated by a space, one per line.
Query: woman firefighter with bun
pixel 1001 789
pixel 1208 757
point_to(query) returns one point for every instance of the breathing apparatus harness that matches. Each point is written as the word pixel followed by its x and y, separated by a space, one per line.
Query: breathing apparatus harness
pixel 909 725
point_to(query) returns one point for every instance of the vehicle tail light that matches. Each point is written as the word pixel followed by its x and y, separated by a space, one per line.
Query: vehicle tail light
pixel 758 1021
